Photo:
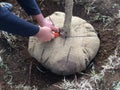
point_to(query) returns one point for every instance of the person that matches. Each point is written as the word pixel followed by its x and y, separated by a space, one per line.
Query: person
pixel 13 24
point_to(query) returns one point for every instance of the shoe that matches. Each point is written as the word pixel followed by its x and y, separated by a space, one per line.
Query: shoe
pixel 6 5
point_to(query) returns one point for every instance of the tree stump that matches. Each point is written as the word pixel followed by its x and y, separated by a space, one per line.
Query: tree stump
pixel 67 56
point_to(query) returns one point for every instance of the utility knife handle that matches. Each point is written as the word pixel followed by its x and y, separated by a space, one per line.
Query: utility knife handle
pixel 56 34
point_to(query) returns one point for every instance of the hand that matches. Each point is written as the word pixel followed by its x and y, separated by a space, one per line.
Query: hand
pixel 49 24
pixel 43 22
pixel 45 34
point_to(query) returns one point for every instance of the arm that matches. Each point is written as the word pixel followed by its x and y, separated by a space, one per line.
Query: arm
pixel 13 24
pixel 31 8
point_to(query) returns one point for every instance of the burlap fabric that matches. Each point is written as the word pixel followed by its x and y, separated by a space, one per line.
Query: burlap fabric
pixel 67 56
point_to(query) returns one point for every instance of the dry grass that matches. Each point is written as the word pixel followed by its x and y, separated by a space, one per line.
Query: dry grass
pixel 8 78
pixel 116 85
pixel 75 85
pixel 24 87
pixel 93 82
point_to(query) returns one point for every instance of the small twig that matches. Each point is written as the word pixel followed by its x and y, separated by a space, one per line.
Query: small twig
pixel 40 69
pixel 69 53
pixel 30 67
pixel 51 21
pixel 41 2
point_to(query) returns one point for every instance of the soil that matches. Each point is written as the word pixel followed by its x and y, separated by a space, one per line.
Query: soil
pixel 26 70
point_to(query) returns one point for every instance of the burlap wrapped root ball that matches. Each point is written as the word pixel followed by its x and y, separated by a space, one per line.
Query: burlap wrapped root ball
pixel 70 55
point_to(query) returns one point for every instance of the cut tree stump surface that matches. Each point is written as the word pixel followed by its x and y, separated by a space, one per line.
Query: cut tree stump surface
pixel 70 55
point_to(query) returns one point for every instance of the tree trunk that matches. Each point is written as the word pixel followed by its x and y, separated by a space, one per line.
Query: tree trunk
pixel 68 16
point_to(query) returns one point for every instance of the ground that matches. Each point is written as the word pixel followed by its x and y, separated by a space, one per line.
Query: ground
pixel 20 69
